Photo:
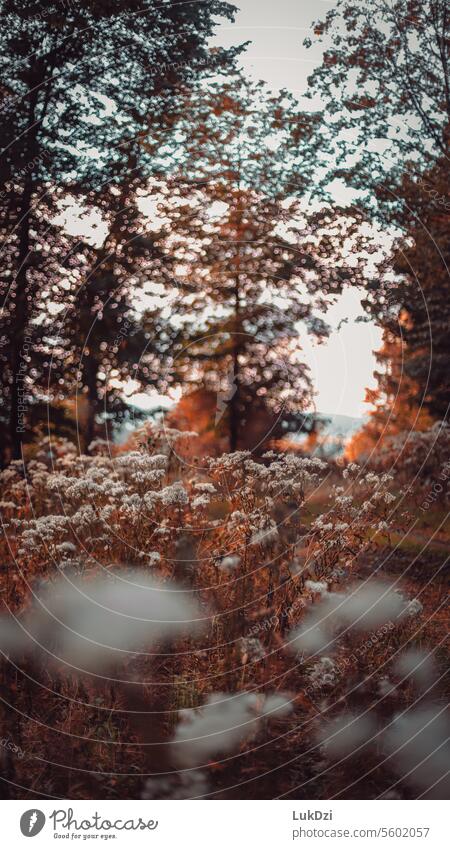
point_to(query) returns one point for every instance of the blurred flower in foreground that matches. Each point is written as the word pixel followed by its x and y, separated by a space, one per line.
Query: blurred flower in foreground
pixel 418 744
pixel 223 724
pixel 418 666
pixel 363 607
pixel 181 785
pixel 345 733
pixel 92 624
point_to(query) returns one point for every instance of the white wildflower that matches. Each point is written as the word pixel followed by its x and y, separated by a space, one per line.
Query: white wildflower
pixel 251 649
pixel 207 488
pixel 201 502
pixel 66 549
pixel 319 587
pixel 227 564
pixel 323 673
pixel 174 495
pixel 265 536
pixel 413 608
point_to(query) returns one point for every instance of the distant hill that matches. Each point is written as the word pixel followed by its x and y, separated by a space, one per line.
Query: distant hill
pixel 336 432
pixel 343 426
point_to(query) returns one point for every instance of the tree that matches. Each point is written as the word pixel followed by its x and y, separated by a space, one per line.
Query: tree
pixel 74 87
pixel 421 262
pixel 251 270
pixel 396 406
pixel 385 80
pixel 410 296
pixel 106 341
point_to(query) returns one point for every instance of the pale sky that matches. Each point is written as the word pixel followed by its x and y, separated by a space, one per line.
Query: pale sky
pixel 343 367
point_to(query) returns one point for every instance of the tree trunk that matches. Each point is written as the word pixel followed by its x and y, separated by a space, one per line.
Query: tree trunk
pixel 40 80
pixel 92 400
pixel 24 297
pixel 234 404
pixel 234 412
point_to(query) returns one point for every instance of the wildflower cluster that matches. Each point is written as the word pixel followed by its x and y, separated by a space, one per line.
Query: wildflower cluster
pixel 189 589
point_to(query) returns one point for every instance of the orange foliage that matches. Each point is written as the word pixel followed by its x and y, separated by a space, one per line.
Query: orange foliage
pixel 396 402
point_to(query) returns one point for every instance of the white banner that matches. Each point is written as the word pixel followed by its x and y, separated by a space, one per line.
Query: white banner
pixel 221 824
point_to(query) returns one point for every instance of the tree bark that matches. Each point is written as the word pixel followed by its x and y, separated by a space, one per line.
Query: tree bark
pixel 24 297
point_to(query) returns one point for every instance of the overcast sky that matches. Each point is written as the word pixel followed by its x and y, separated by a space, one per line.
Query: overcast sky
pixel 343 367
